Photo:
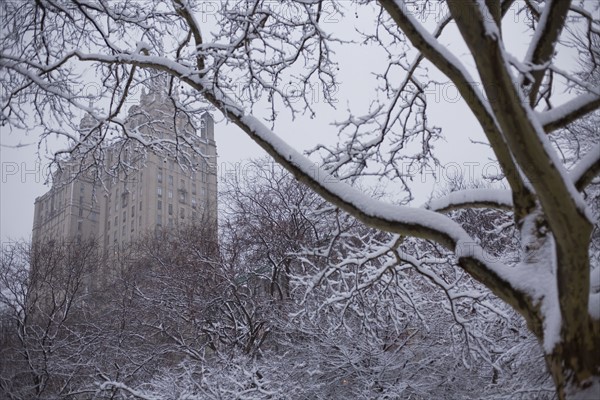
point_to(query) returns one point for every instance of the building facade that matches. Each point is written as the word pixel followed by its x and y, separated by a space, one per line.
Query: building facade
pixel 67 211
pixel 139 191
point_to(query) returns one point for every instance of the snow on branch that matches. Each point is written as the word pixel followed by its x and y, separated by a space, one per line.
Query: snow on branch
pixel 392 218
pixel 451 66
pixel 116 386
pixel 587 169
pixel 572 110
pixel 473 198
pixel 543 43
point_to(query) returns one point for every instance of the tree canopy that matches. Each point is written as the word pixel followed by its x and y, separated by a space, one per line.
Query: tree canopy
pixel 50 49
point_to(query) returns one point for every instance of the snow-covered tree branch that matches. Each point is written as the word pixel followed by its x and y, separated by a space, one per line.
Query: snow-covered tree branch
pixel 51 51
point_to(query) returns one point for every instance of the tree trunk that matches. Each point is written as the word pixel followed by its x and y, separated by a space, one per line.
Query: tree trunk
pixel 575 367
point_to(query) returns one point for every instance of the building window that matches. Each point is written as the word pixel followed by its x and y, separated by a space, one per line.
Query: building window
pixel 140 206
pixel 182 213
pixel 159 175
pixel 132 211
pixel 182 196
pixel 80 211
pixel 124 216
pixel 193 202
pixel 170 180
pixel 170 222
pixel 193 188
pixel 170 194
pixel 159 205
pixel 116 221
pixel 108 225
pixel 159 191
pixel 170 209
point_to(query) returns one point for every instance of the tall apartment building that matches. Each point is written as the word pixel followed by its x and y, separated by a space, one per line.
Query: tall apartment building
pixel 68 210
pixel 144 191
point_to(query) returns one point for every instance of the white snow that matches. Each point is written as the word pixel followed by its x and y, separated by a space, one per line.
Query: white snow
pixel 595 280
pixel 548 149
pixel 142 46
pixel 590 392
pixel 491 29
pixel 536 276
pixel 594 305
pixel 111 385
pixel 560 112
pixel 533 44
pixel 585 163
pixel 445 53
pixel 342 194
pixel 494 198
pixel 555 161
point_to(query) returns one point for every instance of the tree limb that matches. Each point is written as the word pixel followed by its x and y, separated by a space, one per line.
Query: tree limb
pixel 572 110
pixel 563 207
pixel 451 66
pixel 587 169
pixel 541 49
pixel 473 198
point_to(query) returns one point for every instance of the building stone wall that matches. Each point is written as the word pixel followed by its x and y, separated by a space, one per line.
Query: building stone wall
pixel 153 192
pixel 68 211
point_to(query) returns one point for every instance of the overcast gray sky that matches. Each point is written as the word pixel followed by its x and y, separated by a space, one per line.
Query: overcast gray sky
pixel 22 175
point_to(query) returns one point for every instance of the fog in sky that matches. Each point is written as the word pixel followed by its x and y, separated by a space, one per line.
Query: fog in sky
pixel 24 164
pixel 24 168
